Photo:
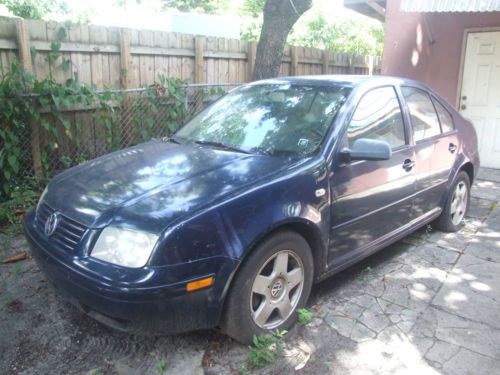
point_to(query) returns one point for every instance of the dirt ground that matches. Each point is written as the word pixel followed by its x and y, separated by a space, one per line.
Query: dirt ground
pixel 392 300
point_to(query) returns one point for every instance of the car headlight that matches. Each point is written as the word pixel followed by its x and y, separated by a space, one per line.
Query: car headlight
pixel 124 247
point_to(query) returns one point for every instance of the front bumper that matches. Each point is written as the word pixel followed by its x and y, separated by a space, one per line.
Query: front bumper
pixel 158 309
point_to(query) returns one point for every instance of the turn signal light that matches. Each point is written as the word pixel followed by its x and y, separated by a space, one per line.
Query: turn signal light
pixel 199 284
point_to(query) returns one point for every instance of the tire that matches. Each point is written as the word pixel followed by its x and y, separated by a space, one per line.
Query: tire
pixel 456 206
pixel 280 268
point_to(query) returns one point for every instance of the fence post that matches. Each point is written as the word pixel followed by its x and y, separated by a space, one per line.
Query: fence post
pixel 370 65
pixel 326 62
pixel 294 55
pixel 24 51
pixel 251 53
pixel 199 45
pixel 125 58
pixel 199 74
pixel 350 67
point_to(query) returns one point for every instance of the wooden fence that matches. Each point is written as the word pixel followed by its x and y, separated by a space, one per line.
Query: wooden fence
pixel 129 58
pixel 110 57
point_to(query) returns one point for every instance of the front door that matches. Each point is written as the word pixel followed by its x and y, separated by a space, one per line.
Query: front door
pixel 371 199
pixel 480 95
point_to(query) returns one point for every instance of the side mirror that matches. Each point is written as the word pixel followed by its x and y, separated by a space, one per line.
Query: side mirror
pixel 367 149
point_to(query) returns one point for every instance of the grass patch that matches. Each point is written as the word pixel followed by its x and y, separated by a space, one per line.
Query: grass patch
pixel 265 349
pixel 161 367
pixel 304 316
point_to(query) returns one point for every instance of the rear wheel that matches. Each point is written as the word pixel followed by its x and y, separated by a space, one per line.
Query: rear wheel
pixel 457 203
pixel 272 284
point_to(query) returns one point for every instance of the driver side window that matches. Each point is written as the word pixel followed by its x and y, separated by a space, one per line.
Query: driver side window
pixel 378 116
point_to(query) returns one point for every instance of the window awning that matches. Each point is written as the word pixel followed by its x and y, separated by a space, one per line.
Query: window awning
pixel 450 5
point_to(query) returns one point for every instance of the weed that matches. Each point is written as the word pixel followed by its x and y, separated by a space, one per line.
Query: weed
pixel 304 316
pixel 265 349
pixel 21 199
pixel 17 269
pixel 97 372
pixel 362 274
pixel 243 370
pixel 161 367
pixel 8 300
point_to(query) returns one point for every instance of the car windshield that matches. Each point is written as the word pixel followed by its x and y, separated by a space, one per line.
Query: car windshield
pixel 272 119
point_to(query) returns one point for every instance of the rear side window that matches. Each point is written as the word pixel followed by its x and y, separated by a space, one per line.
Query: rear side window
pixel 444 117
pixel 424 120
pixel 378 116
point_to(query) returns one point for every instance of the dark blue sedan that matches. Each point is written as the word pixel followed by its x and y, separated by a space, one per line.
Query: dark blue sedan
pixel 276 186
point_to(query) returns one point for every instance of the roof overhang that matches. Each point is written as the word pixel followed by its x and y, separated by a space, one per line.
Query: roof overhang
pixel 450 6
pixel 370 8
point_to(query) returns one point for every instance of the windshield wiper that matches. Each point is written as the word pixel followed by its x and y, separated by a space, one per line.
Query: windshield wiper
pixel 221 146
pixel 171 139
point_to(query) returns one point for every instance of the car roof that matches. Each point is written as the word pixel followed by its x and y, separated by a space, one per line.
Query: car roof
pixel 344 80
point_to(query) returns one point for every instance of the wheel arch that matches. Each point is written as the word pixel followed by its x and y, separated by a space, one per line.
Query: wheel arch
pixel 308 230
pixel 468 167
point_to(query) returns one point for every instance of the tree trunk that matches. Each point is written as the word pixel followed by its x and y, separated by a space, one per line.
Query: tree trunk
pixel 279 18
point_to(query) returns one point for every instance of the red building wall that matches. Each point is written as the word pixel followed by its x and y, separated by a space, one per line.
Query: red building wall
pixel 428 46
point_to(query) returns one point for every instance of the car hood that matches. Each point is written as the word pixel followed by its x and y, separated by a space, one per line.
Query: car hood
pixel 154 183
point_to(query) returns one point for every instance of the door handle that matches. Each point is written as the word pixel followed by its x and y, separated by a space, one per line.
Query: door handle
pixel 408 164
pixel 452 147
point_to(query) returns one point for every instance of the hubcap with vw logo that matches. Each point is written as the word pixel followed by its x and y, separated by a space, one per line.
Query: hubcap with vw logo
pixel 51 223
pixel 276 289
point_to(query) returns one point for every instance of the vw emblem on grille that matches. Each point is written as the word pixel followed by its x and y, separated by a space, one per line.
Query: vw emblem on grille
pixel 52 223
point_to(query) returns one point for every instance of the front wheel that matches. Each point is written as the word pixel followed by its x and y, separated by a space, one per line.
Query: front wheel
pixel 272 284
pixel 457 203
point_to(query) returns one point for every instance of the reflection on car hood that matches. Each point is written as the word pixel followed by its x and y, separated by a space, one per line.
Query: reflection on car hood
pixel 156 182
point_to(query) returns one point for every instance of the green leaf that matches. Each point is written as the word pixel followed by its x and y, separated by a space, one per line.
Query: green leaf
pixel 55 47
pixel 61 33
pixel 65 64
pixel 12 159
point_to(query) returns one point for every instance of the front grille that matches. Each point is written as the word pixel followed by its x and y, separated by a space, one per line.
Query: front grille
pixel 68 232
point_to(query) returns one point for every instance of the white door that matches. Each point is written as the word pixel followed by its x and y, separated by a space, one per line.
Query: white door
pixel 480 96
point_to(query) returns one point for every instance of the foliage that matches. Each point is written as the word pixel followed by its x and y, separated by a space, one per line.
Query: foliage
pixel 350 35
pixel 250 29
pixel 197 6
pixel 161 367
pixel 166 93
pixel 20 199
pixel 253 8
pixel 26 102
pixel 32 9
pixel 341 35
pixel 265 349
pixel 304 316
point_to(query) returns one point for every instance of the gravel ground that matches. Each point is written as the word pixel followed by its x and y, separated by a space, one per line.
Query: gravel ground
pixel 428 304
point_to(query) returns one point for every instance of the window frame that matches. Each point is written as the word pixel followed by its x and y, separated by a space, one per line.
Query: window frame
pixel 401 110
pixel 431 98
pixel 434 99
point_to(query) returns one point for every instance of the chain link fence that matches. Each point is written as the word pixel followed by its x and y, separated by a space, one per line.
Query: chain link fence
pixel 131 117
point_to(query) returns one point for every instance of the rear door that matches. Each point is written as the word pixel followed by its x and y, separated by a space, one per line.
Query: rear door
pixel 371 199
pixel 436 145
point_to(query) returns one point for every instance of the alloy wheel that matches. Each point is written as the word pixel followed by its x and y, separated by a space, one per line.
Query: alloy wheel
pixel 276 289
pixel 459 203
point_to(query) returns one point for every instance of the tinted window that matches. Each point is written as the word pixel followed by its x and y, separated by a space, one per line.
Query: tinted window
pixel 444 117
pixel 424 119
pixel 378 116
